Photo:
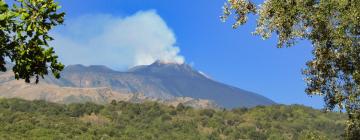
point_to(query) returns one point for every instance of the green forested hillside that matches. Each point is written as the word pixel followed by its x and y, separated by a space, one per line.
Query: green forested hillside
pixel 21 119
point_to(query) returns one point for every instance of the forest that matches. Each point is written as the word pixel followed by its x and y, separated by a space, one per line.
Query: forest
pixel 150 120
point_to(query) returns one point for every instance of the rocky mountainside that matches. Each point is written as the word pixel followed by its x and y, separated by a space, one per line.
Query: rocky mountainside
pixel 164 82
pixel 99 95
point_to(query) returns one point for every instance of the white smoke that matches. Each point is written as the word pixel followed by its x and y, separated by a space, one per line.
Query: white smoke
pixel 117 42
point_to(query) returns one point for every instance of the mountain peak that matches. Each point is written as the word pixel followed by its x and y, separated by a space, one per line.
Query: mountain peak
pixel 165 68
pixel 163 62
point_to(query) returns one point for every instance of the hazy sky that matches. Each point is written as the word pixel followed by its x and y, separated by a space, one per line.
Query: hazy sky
pixel 124 33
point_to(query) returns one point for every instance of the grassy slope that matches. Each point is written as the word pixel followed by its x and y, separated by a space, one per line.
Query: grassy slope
pixel 21 119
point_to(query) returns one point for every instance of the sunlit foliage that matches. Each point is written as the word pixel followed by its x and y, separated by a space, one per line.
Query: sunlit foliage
pixel 333 27
pixel 24 37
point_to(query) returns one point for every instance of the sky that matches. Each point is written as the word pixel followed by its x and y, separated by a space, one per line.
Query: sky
pixel 125 33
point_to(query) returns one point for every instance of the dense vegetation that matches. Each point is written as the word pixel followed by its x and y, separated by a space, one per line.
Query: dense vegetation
pixel 150 120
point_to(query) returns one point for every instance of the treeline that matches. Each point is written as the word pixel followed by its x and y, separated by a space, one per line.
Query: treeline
pixel 21 119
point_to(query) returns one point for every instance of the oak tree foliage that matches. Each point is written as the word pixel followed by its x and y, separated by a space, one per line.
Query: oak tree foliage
pixel 333 27
pixel 24 38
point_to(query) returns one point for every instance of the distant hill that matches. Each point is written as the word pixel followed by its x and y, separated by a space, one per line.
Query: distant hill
pixel 22 119
pixel 158 81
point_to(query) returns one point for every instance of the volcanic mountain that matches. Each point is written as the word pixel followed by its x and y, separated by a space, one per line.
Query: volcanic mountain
pixel 160 81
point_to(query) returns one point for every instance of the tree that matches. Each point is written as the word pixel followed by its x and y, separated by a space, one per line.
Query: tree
pixel 24 38
pixel 333 27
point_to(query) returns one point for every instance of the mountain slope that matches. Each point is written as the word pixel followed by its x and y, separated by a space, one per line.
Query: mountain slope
pixel 49 90
pixel 182 80
pixel 162 81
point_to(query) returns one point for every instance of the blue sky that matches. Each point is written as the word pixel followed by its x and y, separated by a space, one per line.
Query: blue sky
pixel 189 30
